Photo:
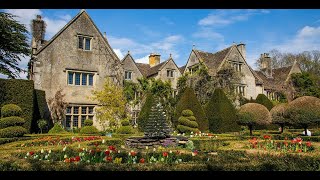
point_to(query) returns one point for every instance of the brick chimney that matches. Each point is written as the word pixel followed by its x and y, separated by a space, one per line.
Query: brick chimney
pixel 242 48
pixel 154 59
pixel 265 65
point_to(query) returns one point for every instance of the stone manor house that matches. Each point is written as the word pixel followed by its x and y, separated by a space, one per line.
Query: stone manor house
pixel 79 58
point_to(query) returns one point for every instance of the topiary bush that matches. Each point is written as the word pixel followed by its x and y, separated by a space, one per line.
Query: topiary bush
pixel 42 124
pixel 11 121
pixel 221 113
pixel 187 122
pixel 303 111
pixel 88 122
pixel 277 115
pixel 263 100
pixel 56 129
pixel 13 131
pixel 10 110
pixel 145 111
pixel 21 93
pixel 252 114
pixel 89 130
pixel 188 100
pixel 125 128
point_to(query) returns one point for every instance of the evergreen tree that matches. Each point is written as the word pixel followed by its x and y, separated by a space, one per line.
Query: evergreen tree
pixel 13 45
pixel 188 100
pixel 263 100
pixel 156 125
pixel 221 113
pixel 145 111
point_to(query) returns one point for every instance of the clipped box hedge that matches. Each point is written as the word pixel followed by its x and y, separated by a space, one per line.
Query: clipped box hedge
pixel 208 145
pixel 11 121
pixel 22 93
pixel 12 131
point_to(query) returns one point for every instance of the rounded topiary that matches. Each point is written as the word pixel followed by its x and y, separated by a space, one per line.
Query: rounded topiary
pixel 125 122
pixel 221 113
pixel 188 100
pixel 89 130
pixel 187 122
pixel 57 128
pixel 124 130
pixel 277 115
pixel 11 121
pixel 10 110
pixel 88 122
pixel 252 114
pixel 13 131
pixel 303 111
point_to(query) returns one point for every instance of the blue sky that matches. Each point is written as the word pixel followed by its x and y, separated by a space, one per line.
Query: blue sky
pixel 176 31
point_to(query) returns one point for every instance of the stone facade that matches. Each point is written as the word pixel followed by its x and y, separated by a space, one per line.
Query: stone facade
pixel 52 62
pixel 249 85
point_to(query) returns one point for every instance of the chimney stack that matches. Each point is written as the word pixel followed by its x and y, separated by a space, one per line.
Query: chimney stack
pixel 154 59
pixel 242 48
pixel 38 32
pixel 105 35
pixel 265 65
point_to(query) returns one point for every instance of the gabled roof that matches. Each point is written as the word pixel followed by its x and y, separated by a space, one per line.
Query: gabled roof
pixel 212 60
pixel 143 68
pixel 154 70
pixel 182 68
pixel 68 24
pixel 130 58
pixel 278 80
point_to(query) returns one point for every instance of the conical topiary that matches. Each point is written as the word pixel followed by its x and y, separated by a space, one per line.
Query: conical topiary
pixel 188 100
pixel 221 113
pixel 156 125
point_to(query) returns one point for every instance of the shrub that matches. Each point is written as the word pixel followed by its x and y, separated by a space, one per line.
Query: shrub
pixel 42 123
pixel 303 111
pixel 221 113
pixel 125 122
pixel 252 114
pixel 88 122
pixel 11 121
pixel 124 130
pixel 188 100
pixel 13 131
pixel 186 129
pixel 263 100
pixel 144 113
pixel 10 110
pixel 89 130
pixel 277 115
pixel 187 113
pixel 188 122
pixel 56 129
pixel 21 93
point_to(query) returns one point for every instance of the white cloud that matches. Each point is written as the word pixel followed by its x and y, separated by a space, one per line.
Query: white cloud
pixel 306 39
pixel 118 53
pixel 24 16
pixel 54 25
pixel 144 59
pixel 141 51
pixel 226 17
pixel 148 31
pixel 208 34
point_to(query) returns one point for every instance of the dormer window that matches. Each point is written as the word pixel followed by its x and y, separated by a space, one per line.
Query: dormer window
pixel 84 43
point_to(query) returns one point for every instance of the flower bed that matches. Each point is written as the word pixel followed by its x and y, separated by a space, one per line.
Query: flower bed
pixel 295 145
pixel 110 155
pixel 54 141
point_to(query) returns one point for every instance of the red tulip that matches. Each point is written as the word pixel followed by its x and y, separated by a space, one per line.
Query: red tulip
pixel 107 152
pixel 141 160
pixel 77 158
pixel 165 154
pixel 132 153
pixel 109 158
pixel 308 144
pixel 31 153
